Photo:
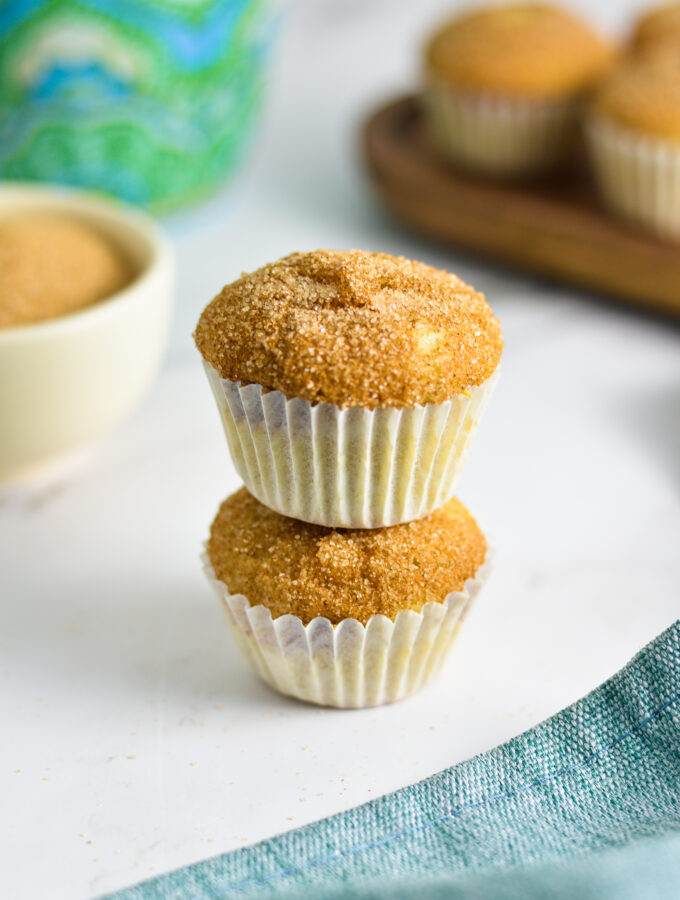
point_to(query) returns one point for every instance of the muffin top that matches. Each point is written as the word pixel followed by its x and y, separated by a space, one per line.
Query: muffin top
pixel 529 50
pixel 643 94
pixel 658 27
pixel 353 329
pixel 307 570
pixel 52 264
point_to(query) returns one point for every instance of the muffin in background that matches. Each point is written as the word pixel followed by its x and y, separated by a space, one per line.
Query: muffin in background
pixel 52 265
pixel 344 618
pixel 350 384
pixel 634 141
pixel 504 87
pixel 657 28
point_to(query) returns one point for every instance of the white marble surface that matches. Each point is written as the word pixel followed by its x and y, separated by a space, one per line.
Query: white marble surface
pixel 134 737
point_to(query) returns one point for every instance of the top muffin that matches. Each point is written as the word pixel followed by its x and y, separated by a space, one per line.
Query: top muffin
pixel 353 329
pixel 643 94
pixel 527 50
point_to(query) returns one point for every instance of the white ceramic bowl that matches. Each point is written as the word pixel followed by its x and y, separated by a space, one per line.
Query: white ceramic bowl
pixel 66 381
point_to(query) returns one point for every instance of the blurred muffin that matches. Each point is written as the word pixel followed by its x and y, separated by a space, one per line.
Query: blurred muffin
pixel 344 618
pixel 51 265
pixel 504 87
pixel 657 28
pixel 349 383
pixel 634 141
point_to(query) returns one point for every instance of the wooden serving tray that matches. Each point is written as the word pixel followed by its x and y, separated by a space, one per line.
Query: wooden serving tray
pixel 549 229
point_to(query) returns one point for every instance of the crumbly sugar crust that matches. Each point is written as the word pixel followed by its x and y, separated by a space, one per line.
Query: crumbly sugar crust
pixel 307 570
pixel 352 328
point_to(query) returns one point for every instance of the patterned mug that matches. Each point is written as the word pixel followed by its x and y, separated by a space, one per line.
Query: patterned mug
pixel 150 100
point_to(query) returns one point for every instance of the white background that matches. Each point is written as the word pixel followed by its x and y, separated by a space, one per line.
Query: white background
pixel 134 738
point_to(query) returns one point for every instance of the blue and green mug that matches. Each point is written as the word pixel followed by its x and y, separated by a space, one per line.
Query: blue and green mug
pixel 150 100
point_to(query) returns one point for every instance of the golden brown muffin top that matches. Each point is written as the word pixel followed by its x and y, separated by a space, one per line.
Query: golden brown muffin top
pixel 525 50
pixel 353 329
pixel 643 94
pixel 308 570
pixel 52 264
pixel 659 27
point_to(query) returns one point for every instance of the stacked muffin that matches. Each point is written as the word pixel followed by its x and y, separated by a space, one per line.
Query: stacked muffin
pixel 349 385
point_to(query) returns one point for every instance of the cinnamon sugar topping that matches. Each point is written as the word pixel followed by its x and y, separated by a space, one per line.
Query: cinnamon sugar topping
pixel 352 328
pixel 307 570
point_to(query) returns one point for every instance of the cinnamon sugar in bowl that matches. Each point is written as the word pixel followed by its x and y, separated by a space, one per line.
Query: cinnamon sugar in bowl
pixel 85 297
pixel 53 264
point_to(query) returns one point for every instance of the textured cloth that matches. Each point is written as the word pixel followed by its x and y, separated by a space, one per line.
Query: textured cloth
pixel 586 805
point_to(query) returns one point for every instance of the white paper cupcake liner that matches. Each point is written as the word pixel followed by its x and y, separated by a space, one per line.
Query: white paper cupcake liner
pixel 351 467
pixel 502 137
pixel 638 176
pixel 348 665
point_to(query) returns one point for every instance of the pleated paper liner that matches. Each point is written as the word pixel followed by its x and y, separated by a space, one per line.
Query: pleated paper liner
pixel 638 176
pixel 349 664
pixel 505 138
pixel 351 467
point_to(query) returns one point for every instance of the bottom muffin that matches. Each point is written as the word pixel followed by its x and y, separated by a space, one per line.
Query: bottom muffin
pixel 339 617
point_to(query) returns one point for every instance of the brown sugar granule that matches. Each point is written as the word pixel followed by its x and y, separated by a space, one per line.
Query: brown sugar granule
pixel 528 50
pixel 353 329
pixel 52 264
pixel 308 570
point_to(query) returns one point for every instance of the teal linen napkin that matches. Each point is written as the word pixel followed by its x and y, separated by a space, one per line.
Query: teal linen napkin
pixel 586 805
